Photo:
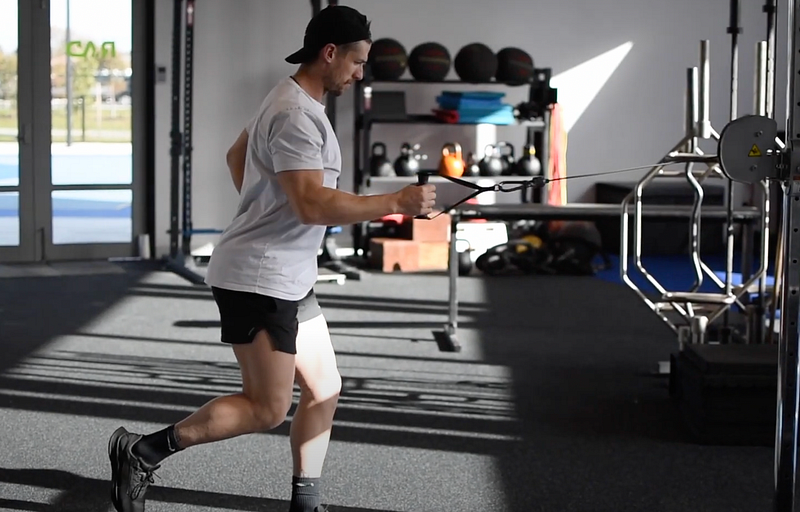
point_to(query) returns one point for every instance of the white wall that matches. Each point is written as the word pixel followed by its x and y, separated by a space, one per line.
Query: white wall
pixel 636 117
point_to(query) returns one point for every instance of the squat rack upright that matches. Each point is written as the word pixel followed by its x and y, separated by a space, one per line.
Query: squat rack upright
pixel 749 152
pixel 179 260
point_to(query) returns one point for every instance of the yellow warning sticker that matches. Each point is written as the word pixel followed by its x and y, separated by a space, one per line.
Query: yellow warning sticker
pixel 754 151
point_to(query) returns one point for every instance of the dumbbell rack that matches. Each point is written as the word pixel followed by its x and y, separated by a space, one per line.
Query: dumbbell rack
pixel 538 131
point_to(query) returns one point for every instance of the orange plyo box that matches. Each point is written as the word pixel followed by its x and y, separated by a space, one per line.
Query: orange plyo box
pixel 422 230
pixel 394 254
pixel 400 255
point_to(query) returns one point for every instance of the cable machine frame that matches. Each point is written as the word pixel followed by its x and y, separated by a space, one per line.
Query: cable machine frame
pixel 181 228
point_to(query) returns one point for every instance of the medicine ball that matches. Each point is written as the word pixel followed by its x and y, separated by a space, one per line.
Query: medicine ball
pixel 514 66
pixel 429 62
pixel 574 246
pixel 387 59
pixel 476 63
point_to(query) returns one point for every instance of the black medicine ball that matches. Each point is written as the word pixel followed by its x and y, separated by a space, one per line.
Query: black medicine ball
pixel 476 63
pixel 387 59
pixel 429 62
pixel 514 66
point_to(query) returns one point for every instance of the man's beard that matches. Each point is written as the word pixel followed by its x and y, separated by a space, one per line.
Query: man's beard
pixel 334 90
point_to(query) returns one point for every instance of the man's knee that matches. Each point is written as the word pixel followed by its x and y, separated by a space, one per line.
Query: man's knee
pixel 323 388
pixel 271 414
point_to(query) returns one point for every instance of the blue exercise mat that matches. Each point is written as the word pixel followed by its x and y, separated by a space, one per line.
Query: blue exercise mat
pixel 501 115
pixel 459 103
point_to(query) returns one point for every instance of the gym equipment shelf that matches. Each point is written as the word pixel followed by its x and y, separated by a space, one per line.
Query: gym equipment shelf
pixel 431 119
pixel 540 97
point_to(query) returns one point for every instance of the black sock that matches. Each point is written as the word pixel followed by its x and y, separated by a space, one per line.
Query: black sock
pixel 305 494
pixel 155 447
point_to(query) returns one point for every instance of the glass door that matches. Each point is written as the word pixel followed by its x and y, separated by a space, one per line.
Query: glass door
pixel 88 196
pixel 16 183
pixel 67 177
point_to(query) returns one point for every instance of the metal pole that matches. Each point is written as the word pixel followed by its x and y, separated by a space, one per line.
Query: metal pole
pixel 760 97
pixel 692 100
pixel 771 9
pixel 734 30
pixel 188 97
pixel 69 81
pixel 787 406
pixel 705 91
pixel 756 311
pixel 452 292
pixel 176 145
pixel 330 107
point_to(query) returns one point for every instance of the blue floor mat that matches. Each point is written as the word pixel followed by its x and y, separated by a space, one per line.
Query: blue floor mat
pixel 676 273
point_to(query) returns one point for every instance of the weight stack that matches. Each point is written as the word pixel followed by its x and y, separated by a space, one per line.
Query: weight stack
pixel 727 394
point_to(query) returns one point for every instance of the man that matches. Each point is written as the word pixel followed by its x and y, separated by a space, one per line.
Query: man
pixel 285 165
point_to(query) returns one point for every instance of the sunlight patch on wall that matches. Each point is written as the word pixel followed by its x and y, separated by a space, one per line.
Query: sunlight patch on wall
pixel 579 86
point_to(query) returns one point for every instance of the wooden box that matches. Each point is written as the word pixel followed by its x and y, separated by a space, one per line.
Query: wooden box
pixel 394 255
pixel 421 230
pixel 399 255
pixel 433 255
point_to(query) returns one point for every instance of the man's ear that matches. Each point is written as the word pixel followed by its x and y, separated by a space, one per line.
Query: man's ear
pixel 329 52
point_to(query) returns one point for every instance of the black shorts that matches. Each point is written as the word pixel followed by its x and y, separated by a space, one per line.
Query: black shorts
pixel 244 314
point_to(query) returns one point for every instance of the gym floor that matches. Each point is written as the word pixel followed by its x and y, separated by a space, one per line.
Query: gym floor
pixel 552 405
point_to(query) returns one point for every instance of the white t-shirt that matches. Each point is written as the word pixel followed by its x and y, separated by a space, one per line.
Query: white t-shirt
pixel 267 249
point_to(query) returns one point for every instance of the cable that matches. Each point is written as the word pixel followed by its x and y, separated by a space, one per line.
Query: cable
pixel 535 182
pixel 618 171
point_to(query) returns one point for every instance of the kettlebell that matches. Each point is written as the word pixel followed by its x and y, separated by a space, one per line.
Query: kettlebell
pixel 471 169
pixel 529 164
pixel 380 166
pixel 506 150
pixel 451 163
pixel 464 263
pixel 407 164
pixel 491 164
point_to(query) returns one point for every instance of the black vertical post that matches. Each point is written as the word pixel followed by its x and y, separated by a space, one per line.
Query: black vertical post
pixel 543 96
pixel 330 108
pixel 789 341
pixel 187 129
pixel 176 144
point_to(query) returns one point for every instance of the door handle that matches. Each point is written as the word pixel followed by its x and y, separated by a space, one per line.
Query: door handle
pixel 24 135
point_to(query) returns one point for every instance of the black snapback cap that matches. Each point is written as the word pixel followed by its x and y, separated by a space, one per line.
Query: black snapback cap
pixel 335 24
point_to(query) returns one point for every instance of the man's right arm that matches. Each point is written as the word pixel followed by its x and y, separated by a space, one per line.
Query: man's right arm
pixel 294 141
pixel 315 204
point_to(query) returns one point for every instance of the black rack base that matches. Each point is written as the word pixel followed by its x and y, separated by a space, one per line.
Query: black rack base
pixel 185 268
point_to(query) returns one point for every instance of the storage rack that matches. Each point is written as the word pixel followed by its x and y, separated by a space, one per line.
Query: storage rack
pixel 541 96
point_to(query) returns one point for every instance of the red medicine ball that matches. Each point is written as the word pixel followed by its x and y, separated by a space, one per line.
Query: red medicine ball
pixel 429 62
pixel 387 59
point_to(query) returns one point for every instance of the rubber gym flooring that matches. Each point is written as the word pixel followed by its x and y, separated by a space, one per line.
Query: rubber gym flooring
pixel 551 406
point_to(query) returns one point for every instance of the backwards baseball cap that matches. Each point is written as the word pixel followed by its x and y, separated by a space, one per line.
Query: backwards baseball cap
pixel 335 24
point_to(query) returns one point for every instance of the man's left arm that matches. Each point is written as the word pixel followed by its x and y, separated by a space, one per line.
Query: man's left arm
pixel 236 158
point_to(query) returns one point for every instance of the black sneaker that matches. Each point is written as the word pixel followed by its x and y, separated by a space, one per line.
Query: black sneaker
pixel 130 476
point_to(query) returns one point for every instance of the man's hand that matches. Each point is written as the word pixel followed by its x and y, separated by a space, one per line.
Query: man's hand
pixel 416 200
